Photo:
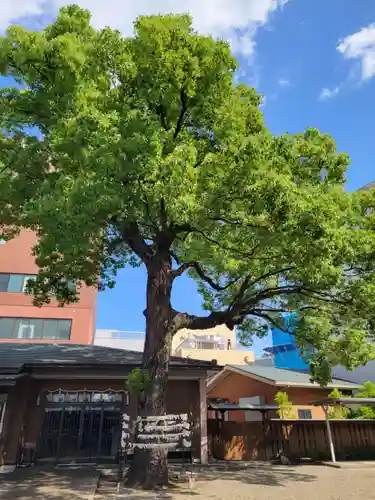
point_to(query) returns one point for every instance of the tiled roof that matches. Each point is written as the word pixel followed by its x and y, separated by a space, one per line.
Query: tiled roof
pixel 240 406
pixel 370 185
pixel 280 376
pixel 16 355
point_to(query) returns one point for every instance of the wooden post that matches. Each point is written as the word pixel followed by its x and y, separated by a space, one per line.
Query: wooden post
pixel 329 434
pixel 203 420
pixel 263 413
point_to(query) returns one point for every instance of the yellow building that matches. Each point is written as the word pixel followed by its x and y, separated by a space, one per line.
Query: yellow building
pixel 217 343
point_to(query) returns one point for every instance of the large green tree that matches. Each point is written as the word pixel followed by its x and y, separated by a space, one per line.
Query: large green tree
pixel 144 151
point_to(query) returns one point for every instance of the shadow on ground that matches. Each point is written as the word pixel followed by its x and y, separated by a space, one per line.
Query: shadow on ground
pixel 249 474
pixel 257 473
pixel 49 483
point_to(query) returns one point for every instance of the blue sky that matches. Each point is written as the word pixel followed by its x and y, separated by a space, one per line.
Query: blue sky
pixel 313 60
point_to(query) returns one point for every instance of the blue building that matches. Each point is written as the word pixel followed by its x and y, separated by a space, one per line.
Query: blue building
pixel 286 353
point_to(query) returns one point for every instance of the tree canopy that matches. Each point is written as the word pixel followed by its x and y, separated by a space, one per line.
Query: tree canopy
pixel 121 151
pixel 367 390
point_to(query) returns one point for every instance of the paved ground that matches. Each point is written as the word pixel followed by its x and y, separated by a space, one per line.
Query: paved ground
pixel 306 482
pixel 256 482
pixel 49 483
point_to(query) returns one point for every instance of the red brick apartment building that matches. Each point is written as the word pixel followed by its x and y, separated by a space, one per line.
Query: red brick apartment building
pixel 20 321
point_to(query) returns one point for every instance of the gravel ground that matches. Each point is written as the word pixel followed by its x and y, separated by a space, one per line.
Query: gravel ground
pixel 49 483
pixel 354 481
pixel 306 482
pixel 288 483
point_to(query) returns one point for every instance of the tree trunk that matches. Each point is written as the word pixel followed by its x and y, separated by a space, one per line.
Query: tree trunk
pixel 149 468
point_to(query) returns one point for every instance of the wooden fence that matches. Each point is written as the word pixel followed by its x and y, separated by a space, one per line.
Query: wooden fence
pixel 298 439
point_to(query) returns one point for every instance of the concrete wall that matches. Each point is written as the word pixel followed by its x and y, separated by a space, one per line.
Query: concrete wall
pixel 16 257
pixel 227 357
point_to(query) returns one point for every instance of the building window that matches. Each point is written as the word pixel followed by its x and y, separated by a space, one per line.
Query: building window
pixel 28 328
pixel 17 282
pixel 26 279
pixel 35 328
pixel 304 414
pixel 72 285
pixel 4 282
pixel 14 282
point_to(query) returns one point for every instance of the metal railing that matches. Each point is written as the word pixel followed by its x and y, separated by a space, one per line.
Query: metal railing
pixel 117 335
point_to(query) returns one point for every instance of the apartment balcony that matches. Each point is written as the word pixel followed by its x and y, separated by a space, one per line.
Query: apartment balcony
pixel 202 347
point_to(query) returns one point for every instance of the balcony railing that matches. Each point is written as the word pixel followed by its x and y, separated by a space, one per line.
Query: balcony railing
pixel 118 335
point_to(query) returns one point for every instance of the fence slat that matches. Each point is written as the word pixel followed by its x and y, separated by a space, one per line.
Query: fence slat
pixel 353 439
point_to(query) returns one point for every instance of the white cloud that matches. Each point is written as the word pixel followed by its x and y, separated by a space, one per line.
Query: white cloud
pixel 361 46
pixel 284 82
pixel 328 93
pixel 264 101
pixel 242 43
pixel 234 20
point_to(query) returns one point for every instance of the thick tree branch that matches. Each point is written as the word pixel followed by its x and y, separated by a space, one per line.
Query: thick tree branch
pixel 183 267
pixel 236 312
pixel 181 228
pixel 240 308
pixel 229 317
pixel 198 269
pixel 269 319
pixel 237 223
pixel 185 320
pixel 134 240
pixel 114 244
pixel 224 247
pixel 314 308
pixel 4 168
pixel 199 162
pixel 270 274
pixel 163 118
pixel 268 293
pixel 237 300
pixel 181 118
pixel 175 257
pixel 163 215
pixel 187 228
